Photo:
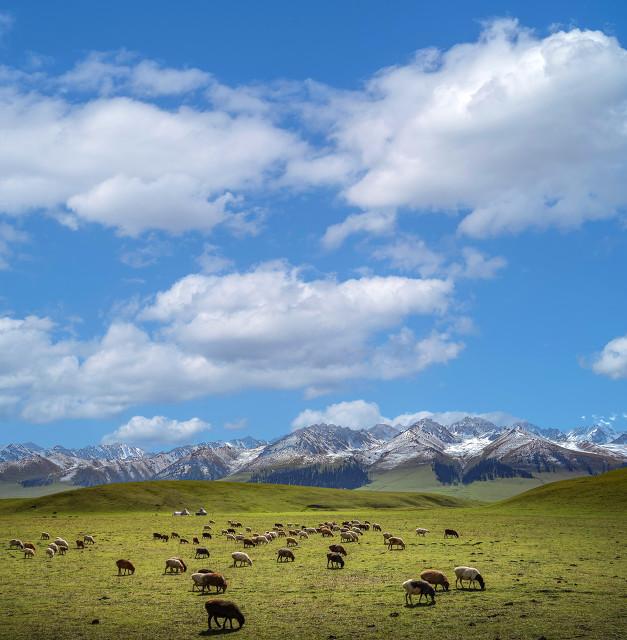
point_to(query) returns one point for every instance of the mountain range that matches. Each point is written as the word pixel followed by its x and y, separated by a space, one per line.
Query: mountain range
pixel 467 451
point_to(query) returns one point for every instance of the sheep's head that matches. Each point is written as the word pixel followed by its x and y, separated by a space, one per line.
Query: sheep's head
pixel 480 580
pixel 446 585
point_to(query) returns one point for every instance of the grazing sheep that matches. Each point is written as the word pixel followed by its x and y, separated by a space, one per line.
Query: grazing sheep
pixel 416 587
pixel 202 552
pixel 348 536
pixel 376 527
pixel 291 542
pixel 469 574
pixel 208 580
pixel 195 540
pixel 338 548
pixel 326 533
pixel 206 527
pixel 303 534
pixel 183 541
pixel 335 560
pixel 285 555
pixel 205 571
pixel 434 577
pixel 54 547
pixel 165 538
pixel 241 558
pixel 16 544
pixel 45 536
pixel 396 542
pixel 248 543
pixel 230 536
pixel 125 567
pixel 422 532
pixel 61 541
pixel 156 536
pixel 29 553
pixel 89 540
pixel 50 552
pixel 29 545
pixel 226 610
pixel 206 535
pixel 386 535
pixel 62 549
pixel 174 534
pixel 80 544
pixel 175 565
pixel 450 533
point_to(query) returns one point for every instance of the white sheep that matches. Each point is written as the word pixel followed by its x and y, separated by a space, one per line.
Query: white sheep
pixel 54 546
pixel 89 539
pixel 174 565
pixel 303 534
pixel 421 532
pixel 16 544
pixel 50 552
pixel 61 541
pixel 45 535
pixel 241 558
pixel 29 553
pixel 469 574
pixel 62 549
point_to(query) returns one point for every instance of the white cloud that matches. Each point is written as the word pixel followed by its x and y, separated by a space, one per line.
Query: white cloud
pixel 6 23
pixel 9 236
pixel 373 222
pixel 122 72
pixel 208 334
pixel 513 130
pixel 133 165
pixel 477 266
pixel 236 425
pixel 612 361
pixel 357 414
pixel 156 430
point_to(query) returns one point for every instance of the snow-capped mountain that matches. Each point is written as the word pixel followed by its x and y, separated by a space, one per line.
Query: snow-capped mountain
pixel 468 450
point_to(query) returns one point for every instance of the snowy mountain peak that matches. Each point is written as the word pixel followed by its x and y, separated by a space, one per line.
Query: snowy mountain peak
pixel 473 427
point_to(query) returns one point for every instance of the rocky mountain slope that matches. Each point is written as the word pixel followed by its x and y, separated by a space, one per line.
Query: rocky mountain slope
pixel 469 450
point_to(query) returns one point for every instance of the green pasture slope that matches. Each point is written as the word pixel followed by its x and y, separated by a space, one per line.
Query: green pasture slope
pixel 553 560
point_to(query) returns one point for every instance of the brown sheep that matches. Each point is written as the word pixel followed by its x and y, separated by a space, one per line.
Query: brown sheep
pixel 434 577
pixel 29 545
pixel 226 610
pixel 335 560
pixel 292 542
pixel 396 542
pixel 195 540
pixel 326 533
pixel 29 553
pixel 80 544
pixel 124 567
pixel 201 552
pixel 208 580
pixel 285 555
pixel 338 548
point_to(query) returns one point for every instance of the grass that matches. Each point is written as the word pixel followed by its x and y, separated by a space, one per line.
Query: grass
pixel 554 573
pixel 422 478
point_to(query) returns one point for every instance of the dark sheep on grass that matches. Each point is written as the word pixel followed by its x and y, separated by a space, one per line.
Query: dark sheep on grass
pixel 450 533
pixel 226 610
pixel 418 587
pixel 335 561
pixel 125 567
pixel 338 548
pixel 285 555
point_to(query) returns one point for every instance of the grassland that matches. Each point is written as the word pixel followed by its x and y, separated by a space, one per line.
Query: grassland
pixel 557 573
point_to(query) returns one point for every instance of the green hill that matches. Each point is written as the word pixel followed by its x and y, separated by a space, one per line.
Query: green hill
pixel 219 497
pixel 606 493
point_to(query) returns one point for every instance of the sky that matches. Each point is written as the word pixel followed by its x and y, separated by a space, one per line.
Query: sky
pixel 222 219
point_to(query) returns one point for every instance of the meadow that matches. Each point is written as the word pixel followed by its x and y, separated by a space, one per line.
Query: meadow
pixel 553 560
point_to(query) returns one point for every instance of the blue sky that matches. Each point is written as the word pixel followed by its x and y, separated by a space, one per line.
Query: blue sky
pixel 234 219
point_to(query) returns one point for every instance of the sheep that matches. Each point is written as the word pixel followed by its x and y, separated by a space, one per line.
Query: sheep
pixel 396 542
pixel 29 553
pixel 201 552
pixel 291 542
pixel 183 541
pixel 285 555
pixel 62 549
pixel 230 536
pixel 348 536
pixel 175 565
pixel 195 540
pixel 450 533
pixel 54 547
pixel 174 534
pixel 338 548
pixel 248 543
pixel 61 541
pixel 156 536
pixel 208 580
pixel 212 521
pixel 386 535
pixel 415 587
pixel 125 567
pixel 224 609
pixel 469 574
pixel 16 544
pixel 326 533
pixel 422 532
pixel 50 552
pixel 335 560
pixel 206 527
pixel 80 544
pixel 165 538
pixel 241 558
pixel 434 577
pixel 303 534
pixel 45 535
pixel 29 545
pixel 206 535
pixel 89 540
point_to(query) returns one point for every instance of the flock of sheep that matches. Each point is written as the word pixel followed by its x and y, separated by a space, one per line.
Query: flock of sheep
pixel 349 531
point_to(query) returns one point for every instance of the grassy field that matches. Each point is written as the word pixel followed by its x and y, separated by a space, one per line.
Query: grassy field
pixel 553 561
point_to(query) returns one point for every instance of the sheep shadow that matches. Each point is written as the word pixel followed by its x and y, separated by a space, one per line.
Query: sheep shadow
pixel 419 605
pixel 218 632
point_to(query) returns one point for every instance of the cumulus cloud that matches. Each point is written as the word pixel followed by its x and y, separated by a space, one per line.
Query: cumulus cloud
pixel 156 430
pixel 515 131
pixel 372 222
pixel 612 361
pixel 268 328
pixel 361 414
